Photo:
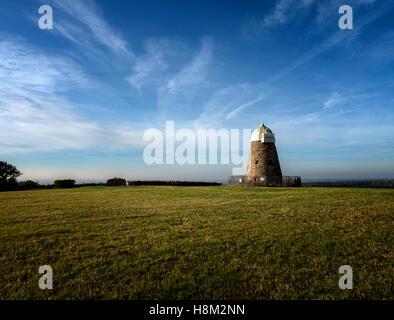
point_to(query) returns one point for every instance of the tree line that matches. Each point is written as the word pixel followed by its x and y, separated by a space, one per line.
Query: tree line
pixel 9 175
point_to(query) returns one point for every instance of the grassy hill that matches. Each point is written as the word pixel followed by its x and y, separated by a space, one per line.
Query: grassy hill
pixel 197 242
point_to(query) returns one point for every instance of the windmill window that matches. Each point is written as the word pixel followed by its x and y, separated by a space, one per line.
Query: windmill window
pixel 257 161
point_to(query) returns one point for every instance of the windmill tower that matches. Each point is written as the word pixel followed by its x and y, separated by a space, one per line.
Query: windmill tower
pixel 263 164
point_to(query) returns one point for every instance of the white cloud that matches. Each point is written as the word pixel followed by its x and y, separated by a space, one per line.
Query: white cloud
pixel 337 38
pixel 283 11
pixel 150 68
pixel 327 10
pixel 291 11
pixel 146 67
pixel 238 109
pixel 334 100
pixel 195 72
pixel 34 115
pixel 228 102
pixel 87 27
pixel 222 105
pixel 23 66
pixel 179 90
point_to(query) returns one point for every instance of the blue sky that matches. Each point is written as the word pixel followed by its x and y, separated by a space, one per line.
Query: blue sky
pixel 76 100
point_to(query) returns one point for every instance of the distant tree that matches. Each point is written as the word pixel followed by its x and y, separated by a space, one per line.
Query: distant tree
pixel 68 183
pixel 116 182
pixel 28 184
pixel 8 175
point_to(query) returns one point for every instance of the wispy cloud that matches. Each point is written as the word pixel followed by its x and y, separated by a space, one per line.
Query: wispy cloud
pixel 238 109
pixel 195 72
pixel 326 10
pixel 178 92
pixel 146 67
pixel 23 66
pixel 35 115
pixel 336 38
pixel 225 103
pixel 152 67
pixel 221 106
pixel 283 11
pixel 334 100
pixel 86 27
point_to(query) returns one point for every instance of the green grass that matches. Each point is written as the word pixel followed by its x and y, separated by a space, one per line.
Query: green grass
pixel 197 243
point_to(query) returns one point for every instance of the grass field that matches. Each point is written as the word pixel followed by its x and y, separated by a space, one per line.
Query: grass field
pixel 197 243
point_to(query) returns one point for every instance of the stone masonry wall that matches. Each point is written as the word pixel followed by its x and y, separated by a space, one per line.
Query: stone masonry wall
pixel 263 162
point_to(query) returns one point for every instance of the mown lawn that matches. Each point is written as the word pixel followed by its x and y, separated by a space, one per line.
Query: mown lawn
pixel 197 243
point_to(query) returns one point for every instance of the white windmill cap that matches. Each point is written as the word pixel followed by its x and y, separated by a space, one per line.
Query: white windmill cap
pixel 259 133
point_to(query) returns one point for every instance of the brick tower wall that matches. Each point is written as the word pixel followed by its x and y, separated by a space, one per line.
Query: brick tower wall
pixel 263 162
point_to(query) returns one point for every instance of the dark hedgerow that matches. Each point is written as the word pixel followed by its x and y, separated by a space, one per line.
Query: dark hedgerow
pixel 28 184
pixel 68 183
pixel 116 182
pixel 173 183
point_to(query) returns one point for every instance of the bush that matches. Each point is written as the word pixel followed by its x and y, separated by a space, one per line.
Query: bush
pixel 64 183
pixel 116 182
pixel 29 184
